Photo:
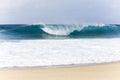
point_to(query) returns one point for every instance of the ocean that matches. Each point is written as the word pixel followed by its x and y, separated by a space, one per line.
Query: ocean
pixel 58 31
pixel 28 45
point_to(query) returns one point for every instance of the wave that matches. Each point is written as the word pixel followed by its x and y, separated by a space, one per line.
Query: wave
pixel 61 30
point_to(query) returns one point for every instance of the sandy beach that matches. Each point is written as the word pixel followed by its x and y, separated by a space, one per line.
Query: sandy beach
pixel 91 72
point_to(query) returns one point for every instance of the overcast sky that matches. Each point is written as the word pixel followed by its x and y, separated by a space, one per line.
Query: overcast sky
pixel 59 11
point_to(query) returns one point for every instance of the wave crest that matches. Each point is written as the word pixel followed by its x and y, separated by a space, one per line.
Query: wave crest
pixel 61 29
pixel 66 30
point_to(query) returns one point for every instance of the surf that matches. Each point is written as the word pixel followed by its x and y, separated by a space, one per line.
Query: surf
pixel 61 30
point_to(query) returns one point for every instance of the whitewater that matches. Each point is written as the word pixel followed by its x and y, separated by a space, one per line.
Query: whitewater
pixel 55 45
pixel 31 53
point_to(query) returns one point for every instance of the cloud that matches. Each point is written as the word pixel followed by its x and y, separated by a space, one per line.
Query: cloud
pixel 11 4
pixel 59 11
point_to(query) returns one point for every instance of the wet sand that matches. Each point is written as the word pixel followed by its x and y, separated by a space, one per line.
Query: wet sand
pixel 94 72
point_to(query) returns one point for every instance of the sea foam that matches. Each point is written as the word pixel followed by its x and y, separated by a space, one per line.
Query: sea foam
pixel 29 53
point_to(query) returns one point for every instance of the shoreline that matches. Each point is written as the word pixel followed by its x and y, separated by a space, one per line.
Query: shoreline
pixel 58 66
pixel 93 72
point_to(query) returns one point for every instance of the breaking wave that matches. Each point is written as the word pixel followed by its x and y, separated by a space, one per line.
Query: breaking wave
pixel 59 30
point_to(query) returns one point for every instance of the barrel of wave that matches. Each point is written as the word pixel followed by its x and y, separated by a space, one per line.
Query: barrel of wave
pixel 61 29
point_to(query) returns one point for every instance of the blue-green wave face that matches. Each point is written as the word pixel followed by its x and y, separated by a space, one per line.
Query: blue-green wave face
pixel 58 31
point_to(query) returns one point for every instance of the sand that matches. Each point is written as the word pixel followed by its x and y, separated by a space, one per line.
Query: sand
pixel 91 72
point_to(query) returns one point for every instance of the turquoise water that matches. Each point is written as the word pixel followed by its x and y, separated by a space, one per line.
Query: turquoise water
pixel 58 31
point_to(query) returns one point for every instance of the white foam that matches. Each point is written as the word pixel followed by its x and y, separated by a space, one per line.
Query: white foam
pixel 61 29
pixel 58 52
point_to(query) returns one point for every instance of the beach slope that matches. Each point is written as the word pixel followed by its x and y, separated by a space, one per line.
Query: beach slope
pixel 95 72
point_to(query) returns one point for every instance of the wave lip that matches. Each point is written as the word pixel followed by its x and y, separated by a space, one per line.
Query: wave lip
pixel 61 29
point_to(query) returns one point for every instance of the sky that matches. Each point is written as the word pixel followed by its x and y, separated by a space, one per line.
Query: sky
pixel 59 11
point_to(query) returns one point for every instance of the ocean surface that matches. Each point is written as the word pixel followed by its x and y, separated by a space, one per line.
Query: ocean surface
pixel 58 31
pixel 23 45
